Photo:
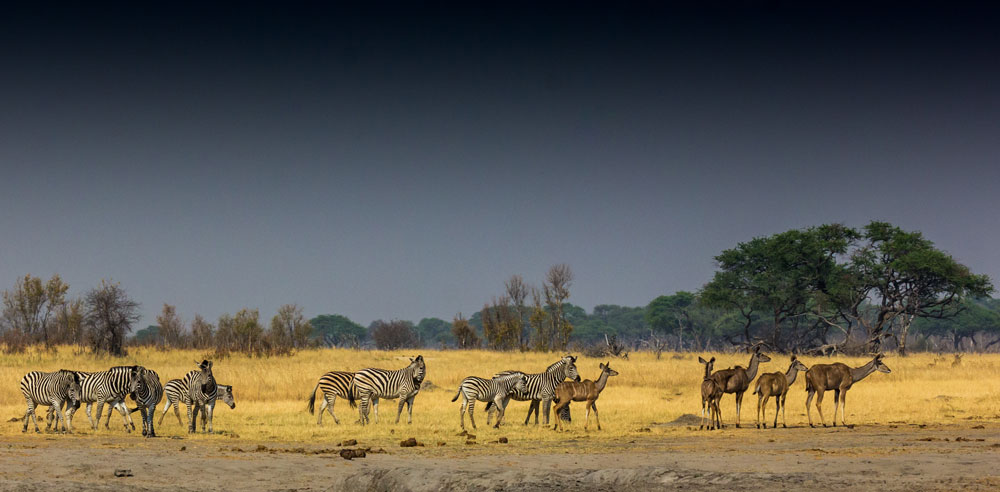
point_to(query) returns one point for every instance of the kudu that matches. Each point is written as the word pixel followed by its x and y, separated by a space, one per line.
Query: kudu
pixel 585 390
pixel 776 384
pixel 711 392
pixel 839 378
pixel 737 379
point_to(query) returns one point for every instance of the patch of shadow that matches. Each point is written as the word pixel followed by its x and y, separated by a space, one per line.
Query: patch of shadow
pixel 683 420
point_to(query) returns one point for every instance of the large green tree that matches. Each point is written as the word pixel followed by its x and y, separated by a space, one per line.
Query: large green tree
pixel 337 330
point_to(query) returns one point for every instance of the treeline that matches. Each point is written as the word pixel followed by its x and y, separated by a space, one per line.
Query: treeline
pixel 823 289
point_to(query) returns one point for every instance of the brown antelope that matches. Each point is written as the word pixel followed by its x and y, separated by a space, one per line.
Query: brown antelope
pixel 737 379
pixel 585 390
pixel 839 378
pixel 776 384
pixel 710 395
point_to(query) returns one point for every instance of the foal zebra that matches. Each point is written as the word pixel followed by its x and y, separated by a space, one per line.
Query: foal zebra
pixel 333 384
pixel 382 383
pixel 495 390
pixel 540 388
pixel 50 388
pixel 177 391
pixel 146 396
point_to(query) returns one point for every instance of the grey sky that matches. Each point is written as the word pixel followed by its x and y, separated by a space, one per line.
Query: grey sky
pixel 405 166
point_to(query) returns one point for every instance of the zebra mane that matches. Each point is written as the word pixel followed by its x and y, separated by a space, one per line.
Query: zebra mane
pixel 560 363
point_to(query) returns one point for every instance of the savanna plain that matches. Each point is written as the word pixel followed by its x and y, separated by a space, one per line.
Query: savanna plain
pixel 931 424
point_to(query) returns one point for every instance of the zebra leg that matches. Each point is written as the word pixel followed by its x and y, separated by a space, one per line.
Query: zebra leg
pixel 363 410
pixel 375 406
pixel 409 409
pixel 192 417
pixel 100 409
pixel 150 414
pixel 322 408
pixel 209 409
pixel 546 405
pixel 166 408
pixel 500 415
pixel 27 412
pixel 126 418
pixel 402 401
pixel 204 418
pixel 93 424
pixel 333 399
pixel 461 411
pixel 472 409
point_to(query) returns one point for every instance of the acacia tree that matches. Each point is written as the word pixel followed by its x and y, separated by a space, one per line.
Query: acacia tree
pixel 110 316
pixel 834 276
pixel 28 308
pixel 390 335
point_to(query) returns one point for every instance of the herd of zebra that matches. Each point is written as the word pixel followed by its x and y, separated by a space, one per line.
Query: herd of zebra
pixel 364 388
pixel 63 391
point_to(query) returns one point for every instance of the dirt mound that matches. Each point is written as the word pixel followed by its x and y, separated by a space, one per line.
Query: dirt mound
pixel 686 419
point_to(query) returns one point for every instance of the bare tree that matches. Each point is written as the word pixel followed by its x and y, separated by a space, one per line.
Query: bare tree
pixel 390 335
pixel 28 308
pixel 171 333
pixel 517 292
pixel 201 332
pixel 556 289
pixel 540 321
pixel 466 336
pixel 69 323
pixel 110 315
pixel 289 329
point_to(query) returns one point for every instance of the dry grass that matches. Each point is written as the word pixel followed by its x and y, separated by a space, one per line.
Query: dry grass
pixel 271 394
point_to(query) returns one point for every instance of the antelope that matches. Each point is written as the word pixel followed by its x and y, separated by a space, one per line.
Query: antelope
pixel 776 384
pixel 737 380
pixel 710 395
pixel 585 390
pixel 839 378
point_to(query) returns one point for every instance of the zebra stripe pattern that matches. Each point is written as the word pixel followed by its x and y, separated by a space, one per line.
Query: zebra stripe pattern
pixel 495 390
pixel 111 387
pixel 333 384
pixel 203 392
pixel 383 383
pixel 177 391
pixel 146 396
pixel 540 387
pixel 50 388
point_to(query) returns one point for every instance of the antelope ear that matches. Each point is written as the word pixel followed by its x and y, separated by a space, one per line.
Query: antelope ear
pixel 712 359
pixel 703 361
pixel 793 358
pixel 601 365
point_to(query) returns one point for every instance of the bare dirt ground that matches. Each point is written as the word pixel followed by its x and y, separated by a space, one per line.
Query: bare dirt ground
pixel 885 458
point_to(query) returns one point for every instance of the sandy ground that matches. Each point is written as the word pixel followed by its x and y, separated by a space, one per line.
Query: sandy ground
pixel 899 457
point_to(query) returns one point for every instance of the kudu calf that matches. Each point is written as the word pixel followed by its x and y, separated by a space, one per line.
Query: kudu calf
pixel 737 380
pixel 585 390
pixel 839 378
pixel 776 384
pixel 711 393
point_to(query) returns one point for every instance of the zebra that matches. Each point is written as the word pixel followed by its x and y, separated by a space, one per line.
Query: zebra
pixel 53 389
pixel 177 392
pixel 89 397
pixel 333 384
pixel 146 396
pixel 495 390
pixel 541 388
pixel 203 392
pixel 382 383
pixel 111 387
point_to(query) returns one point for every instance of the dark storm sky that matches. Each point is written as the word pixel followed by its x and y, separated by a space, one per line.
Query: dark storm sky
pixel 395 162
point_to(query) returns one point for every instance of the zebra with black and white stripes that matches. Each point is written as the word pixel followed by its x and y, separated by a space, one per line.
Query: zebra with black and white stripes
pixel 382 383
pixel 53 389
pixel 487 390
pixel 333 384
pixel 111 387
pixel 177 391
pixel 146 396
pixel 203 391
pixel 540 389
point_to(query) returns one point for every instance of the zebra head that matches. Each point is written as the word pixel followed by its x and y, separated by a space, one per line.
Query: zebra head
pixel 521 385
pixel 226 395
pixel 570 368
pixel 419 369
pixel 135 376
pixel 73 392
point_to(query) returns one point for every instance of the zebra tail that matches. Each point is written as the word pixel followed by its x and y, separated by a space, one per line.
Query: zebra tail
pixel 312 399
pixel 136 409
pixel 456 394
pixel 351 399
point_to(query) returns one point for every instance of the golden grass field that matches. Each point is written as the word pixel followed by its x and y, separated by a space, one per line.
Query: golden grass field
pixel 271 393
